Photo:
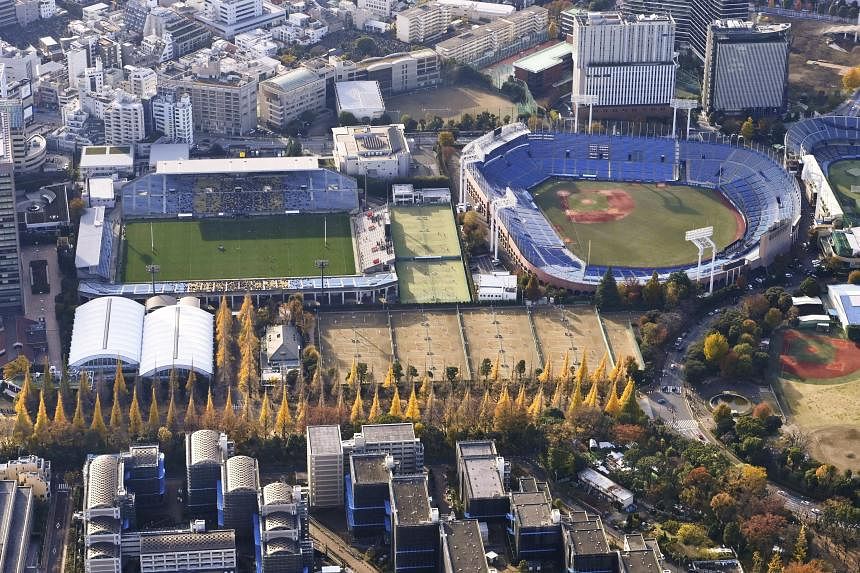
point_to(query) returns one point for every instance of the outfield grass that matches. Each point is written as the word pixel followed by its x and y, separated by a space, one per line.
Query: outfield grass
pixel 259 247
pixel 652 234
pixel 841 182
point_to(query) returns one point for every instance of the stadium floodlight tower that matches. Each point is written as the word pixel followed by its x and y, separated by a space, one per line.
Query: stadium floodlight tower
pixel 507 200
pixel 678 103
pixel 702 239
pixel 582 99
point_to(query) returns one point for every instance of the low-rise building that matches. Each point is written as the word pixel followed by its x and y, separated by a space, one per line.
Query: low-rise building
pixel 362 99
pixel 497 285
pixel 367 493
pixel 462 548
pixel 407 194
pixel 546 70
pixel 414 525
pixel 534 524
pixel 607 488
pixel 16 523
pixel 192 549
pixel 376 151
pixel 481 475
pixel 258 42
pixel 398 440
pixel 106 161
pixel 29 471
pixel 844 300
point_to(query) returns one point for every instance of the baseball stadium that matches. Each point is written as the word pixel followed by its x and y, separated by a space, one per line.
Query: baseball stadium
pixel 828 149
pixel 570 206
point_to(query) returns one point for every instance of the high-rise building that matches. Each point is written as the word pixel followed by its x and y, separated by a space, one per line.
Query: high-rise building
pixel 623 61
pixel 285 541
pixel 124 120
pixel 704 12
pixel 10 260
pixel 230 17
pixel 746 67
pixel 240 484
pixel 398 440
pixel 422 23
pixel 172 116
pixel 205 452
pixel 679 10
pixel 284 98
pixel 325 466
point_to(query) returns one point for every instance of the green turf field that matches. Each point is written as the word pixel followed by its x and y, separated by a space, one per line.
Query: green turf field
pixel 428 282
pixel 652 234
pixel 258 247
pixel 427 230
pixel 841 182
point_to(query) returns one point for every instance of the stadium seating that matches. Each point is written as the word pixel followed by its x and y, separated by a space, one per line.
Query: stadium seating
pixel 752 181
pixel 807 135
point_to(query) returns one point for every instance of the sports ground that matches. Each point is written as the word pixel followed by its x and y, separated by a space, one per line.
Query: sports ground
pixel 820 385
pixel 429 261
pixel 844 175
pixel 635 224
pixel 258 247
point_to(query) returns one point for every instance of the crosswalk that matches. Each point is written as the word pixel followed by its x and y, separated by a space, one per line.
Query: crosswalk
pixel 684 426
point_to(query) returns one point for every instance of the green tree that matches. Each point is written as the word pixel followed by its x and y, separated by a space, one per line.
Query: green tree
pixel 606 297
pixel 801 545
pixel 532 290
pixel 445 139
pixel 810 287
pixel 748 129
pixel 345 118
pixel 773 318
pixel 486 367
pixel 652 292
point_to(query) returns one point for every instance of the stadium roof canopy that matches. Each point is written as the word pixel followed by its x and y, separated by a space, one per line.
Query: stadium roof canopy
pixel 242 165
pixel 107 329
pixel 179 336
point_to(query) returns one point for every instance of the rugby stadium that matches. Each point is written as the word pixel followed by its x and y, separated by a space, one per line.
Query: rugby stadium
pixel 827 149
pixel 628 192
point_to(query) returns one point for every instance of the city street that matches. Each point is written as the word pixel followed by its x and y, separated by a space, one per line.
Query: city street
pixel 38 306
pixel 56 529
pixel 328 543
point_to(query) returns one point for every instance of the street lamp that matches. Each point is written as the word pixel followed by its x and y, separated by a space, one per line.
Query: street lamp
pixel 153 270
pixel 321 264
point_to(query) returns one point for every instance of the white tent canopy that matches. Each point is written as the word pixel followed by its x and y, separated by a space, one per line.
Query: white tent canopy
pixel 179 336
pixel 107 329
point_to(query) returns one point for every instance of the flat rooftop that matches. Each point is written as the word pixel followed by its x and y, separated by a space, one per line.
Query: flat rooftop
pixel 359 95
pixel 643 561
pixel 545 59
pixel 382 433
pixel 476 449
pixel 483 478
pixel 587 535
pixel 532 509
pixel 237 165
pixel 106 156
pixel 324 440
pixel 410 499
pixel 465 547
pixel 369 469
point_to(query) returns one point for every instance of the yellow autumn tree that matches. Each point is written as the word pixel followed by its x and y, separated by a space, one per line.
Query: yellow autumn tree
pixel 153 422
pixel 429 404
pixel 413 412
pixel 558 395
pixel 537 405
pixel 546 374
pixel 395 410
pixel 520 402
pixel 23 422
pixel 565 376
pixel 190 419
pixel 425 385
pixel 628 391
pixel 613 405
pixel 228 417
pixel 503 413
pixel 119 386
pixel 135 419
pixel 265 420
pixel 357 412
pixel 599 374
pixel 592 396
pixel 59 424
pixel 209 414
pixel 495 371
pixel 78 422
pixel 42 427
pixel 116 417
pixel 575 399
pixel 389 377
pixel 352 375
pixel 170 420
pixel 284 419
pixel 374 406
pixel 582 373
pixel 98 423
pixel 189 382
pixel 302 415
pixel 485 412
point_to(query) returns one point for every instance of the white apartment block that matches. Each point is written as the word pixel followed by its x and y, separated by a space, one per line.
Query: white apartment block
pixel 47 9
pixel 325 466
pixel 380 9
pixel 489 43
pixel 232 11
pixel 174 118
pixel 284 98
pixel 230 17
pixel 423 23
pixel 624 61
pixel 124 122
pixel 258 43
pixel 142 82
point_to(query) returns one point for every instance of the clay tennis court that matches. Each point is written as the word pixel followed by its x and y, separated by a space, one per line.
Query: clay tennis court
pixel 362 335
pixel 621 336
pixel 569 329
pixel 503 332
pixel 428 340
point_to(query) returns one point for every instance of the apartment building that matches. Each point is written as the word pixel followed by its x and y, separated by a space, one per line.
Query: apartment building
pixel 226 18
pixel 746 67
pixel 173 116
pixel 325 466
pixel 10 264
pixel 142 82
pixel 504 37
pixel 624 61
pixel 124 120
pixel 380 9
pixel 422 24
pixel 179 35
pixel 284 98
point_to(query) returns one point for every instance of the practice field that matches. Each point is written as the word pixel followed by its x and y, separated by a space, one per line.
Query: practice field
pixel 450 102
pixel 429 262
pixel 363 336
pixel 820 385
pixel 844 176
pixel 635 224
pixel 502 332
pixel 573 330
pixel 259 247
pixel 621 336
pixel 429 340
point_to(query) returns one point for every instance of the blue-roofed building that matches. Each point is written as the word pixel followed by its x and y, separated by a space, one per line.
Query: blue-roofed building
pixel 367 493
pixel 844 300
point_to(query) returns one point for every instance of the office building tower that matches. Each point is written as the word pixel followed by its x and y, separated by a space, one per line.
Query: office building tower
pixel 746 67
pixel 623 61
pixel 10 251
pixel 144 474
pixel 285 543
pixel 702 15
pixel 679 10
pixel 398 440
pixel 481 475
pixel 367 493
pixel 173 117
pixel 534 523
pixel 325 466
pixel 237 504
pixel 284 98
pixel 124 120
pixel 414 525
